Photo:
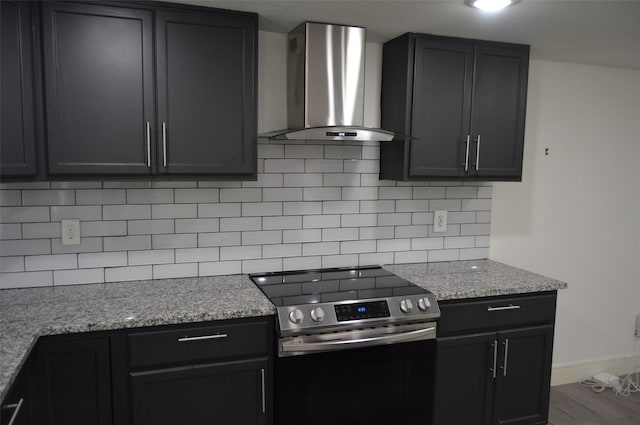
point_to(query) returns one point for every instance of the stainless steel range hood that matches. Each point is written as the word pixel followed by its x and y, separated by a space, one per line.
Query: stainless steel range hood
pixel 325 74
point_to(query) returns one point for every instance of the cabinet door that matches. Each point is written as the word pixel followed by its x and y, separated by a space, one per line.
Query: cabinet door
pixel 220 393
pixel 98 63
pixel 206 65
pixel 498 111
pixel 18 404
pixel 17 125
pixel 73 382
pixel 524 376
pixel 464 379
pixel 441 107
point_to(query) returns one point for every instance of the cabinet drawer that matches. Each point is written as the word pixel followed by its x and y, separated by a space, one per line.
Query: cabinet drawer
pixel 496 313
pixel 198 344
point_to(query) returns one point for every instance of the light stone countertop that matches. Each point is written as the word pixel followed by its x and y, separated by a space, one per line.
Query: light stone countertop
pixel 27 314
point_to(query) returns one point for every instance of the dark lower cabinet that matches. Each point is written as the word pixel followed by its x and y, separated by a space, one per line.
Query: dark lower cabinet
pixel 17 114
pixel 225 393
pixel 501 376
pixel 18 405
pixel 73 381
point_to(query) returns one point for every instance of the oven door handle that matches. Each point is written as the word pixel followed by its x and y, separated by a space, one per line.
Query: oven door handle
pixel 352 343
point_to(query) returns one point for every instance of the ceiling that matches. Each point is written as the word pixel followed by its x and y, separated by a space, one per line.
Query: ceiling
pixel 599 32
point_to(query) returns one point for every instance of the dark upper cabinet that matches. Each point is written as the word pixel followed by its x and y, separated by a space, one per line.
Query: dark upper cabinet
pixel 462 101
pixel 206 93
pixel 98 64
pixel 125 100
pixel 17 116
pixel 73 381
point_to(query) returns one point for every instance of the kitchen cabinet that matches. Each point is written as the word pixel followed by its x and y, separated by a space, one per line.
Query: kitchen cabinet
pixel 17 116
pixel 461 101
pixel 206 66
pixel 495 354
pixel 149 90
pixel 202 375
pixel 73 380
pixel 17 406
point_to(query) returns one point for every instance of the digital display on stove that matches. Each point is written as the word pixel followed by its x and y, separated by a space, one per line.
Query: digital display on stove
pixel 359 311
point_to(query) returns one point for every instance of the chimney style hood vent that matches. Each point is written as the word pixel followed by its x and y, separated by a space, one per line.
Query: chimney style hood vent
pixel 325 83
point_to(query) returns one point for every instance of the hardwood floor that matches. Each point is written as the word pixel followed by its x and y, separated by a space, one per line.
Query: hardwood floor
pixel 572 404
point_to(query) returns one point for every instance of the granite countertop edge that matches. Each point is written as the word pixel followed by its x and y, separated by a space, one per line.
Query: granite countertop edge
pixel 67 310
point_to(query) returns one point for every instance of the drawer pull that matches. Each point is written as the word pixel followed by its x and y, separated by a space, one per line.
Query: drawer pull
pixel 505 307
pixel 201 338
pixel 16 406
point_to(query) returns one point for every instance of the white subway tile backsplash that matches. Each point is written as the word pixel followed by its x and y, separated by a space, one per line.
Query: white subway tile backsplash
pixel 80 276
pixel 186 240
pixel 41 230
pixel 23 214
pixel 101 197
pixel 51 262
pixel 25 247
pixel 126 243
pixel 249 194
pixel 126 212
pixel 102 259
pixel 119 274
pixel 174 211
pixel 197 196
pixel 197 225
pixel 91 244
pixel 220 268
pixel 282 222
pixel 240 252
pixel 11 264
pixel 168 271
pixel 82 213
pixel 150 227
pixel 48 197
pixel 25 279
pixel 359 220
pixel 317 205
pixel 11 231
pixel 262 237
pixel 340 234
pixel 158 256
pixel 191 255
pixel 309 235
pixel 219 239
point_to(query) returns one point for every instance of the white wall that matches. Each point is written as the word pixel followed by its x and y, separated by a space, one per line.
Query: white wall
pixel 576 214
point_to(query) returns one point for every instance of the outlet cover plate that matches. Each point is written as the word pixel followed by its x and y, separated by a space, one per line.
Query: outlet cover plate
pixel 440 221
pixel 70 230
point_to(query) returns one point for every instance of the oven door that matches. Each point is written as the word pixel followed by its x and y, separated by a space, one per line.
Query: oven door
pixel 364 385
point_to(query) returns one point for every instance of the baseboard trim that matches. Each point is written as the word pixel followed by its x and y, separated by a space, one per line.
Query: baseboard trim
pixel 567 373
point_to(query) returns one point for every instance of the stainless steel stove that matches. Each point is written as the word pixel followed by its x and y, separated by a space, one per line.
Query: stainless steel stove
pixel 347 305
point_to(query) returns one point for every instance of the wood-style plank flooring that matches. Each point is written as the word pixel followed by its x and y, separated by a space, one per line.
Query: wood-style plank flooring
pixel 572 404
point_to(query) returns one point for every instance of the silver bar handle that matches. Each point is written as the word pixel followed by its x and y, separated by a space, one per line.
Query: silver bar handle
pixel 361 342
pixel 466 157
pixel 494 344
pixel 506 356
pixel 264 392
pixel 502 308
pixel 478 154
pixel 148 145
pixel 17 406
pixel 164 144
pixel 201 338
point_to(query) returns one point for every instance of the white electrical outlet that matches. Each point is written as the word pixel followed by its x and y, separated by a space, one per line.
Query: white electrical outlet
pixel 440 221
pixel 70 230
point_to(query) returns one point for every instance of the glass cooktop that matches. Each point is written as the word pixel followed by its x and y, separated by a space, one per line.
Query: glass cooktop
pixel 328 285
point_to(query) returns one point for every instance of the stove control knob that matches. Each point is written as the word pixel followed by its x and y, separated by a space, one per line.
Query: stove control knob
pixel 296 316
pixel 317 314
pixel 424 304
pixel 406 306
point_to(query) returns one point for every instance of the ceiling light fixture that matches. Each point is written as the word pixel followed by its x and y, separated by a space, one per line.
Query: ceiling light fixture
pixel 490 5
